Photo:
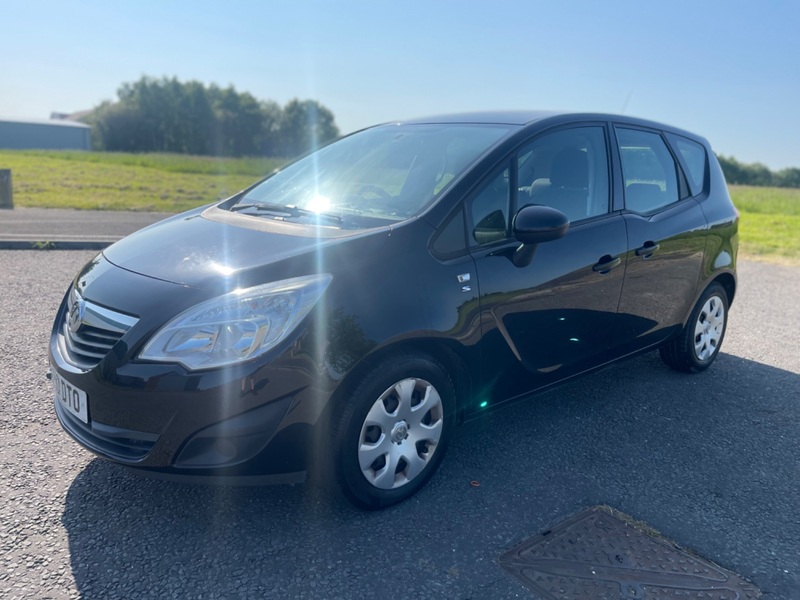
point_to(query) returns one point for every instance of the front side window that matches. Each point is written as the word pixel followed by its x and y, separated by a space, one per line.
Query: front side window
pixel 384 174
pixel 450 239
pixel 489 211
pixel 567 170
pixel 649 171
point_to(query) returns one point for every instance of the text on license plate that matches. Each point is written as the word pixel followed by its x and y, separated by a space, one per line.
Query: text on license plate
pixel 71 398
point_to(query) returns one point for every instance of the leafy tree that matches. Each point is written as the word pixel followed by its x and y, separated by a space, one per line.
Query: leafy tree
pixel 117 127
pixel 268 137
pixel 173 116
pixel 788 178
pixel 303 126
pixel 746 174
pixel 167 115
pixel 757 174
pixel 238 122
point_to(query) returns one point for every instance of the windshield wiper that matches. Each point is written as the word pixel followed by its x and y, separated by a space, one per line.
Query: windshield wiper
pixel 292 211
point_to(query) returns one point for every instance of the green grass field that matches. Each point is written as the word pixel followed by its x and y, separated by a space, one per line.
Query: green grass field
pixel 770 217
pixel 119 181
pixel 769 228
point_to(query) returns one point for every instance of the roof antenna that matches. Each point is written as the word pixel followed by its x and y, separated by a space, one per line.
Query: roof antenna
pixel 627 101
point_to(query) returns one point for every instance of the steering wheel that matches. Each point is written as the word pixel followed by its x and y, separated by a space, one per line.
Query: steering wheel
pixel 374 189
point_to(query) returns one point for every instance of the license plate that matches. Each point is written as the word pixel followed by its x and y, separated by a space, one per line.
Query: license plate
pixel 71 398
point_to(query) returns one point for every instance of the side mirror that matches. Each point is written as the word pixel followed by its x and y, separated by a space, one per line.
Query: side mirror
pixel 534 224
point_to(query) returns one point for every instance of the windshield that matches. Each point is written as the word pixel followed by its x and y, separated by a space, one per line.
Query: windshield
pixel 374 177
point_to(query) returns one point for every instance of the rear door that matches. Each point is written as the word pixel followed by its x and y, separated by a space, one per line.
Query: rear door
pixel 666 240
pixel 554 317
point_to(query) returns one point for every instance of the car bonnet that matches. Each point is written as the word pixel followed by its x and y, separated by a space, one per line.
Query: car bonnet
pixel 207 248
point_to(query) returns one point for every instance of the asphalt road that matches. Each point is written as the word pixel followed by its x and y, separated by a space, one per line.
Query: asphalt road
pixel 55 224
pixel 710 460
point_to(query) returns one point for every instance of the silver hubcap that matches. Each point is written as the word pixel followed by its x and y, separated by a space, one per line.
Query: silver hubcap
pixel 709 327
pixel 400 434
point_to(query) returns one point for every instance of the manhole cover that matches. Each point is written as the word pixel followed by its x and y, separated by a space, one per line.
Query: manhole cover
pixel 598 555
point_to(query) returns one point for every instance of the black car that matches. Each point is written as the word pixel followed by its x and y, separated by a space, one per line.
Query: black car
pixel 341 316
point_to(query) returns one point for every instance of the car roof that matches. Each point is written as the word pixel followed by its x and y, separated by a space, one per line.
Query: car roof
pixel 502 117
pixel 521 118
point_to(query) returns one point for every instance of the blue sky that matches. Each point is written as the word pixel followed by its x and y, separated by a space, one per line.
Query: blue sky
pixel 727 70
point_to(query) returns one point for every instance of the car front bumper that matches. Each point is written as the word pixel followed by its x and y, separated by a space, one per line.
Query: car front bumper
pixel 248 423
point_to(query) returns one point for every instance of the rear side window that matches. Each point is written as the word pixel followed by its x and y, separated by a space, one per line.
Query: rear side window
pixel 694 157
pixel 649 171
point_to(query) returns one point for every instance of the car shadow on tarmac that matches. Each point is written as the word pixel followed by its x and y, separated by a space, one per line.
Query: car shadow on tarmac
pixel 710 460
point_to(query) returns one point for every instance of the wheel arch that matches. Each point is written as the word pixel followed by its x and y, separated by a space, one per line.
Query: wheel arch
pixel 727 279
pixel 678 351
pixel 728 283
pixel 440 350
pixel 349 411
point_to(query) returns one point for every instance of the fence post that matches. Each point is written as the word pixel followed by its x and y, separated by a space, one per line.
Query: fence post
pixel 6 197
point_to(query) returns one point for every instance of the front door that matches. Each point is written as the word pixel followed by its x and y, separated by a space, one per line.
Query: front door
pixel 554 317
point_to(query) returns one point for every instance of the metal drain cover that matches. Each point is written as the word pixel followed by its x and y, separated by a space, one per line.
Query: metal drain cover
pixel 596 554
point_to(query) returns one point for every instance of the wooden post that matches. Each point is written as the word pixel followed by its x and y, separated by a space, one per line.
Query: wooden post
pixel 6 197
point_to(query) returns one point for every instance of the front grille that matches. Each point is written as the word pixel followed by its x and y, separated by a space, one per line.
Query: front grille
pixel 89 331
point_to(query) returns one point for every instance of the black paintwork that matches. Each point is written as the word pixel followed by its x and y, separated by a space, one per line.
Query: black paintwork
pixel 610 287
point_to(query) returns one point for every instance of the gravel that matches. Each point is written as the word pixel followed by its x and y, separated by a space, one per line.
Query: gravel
pixel 709 460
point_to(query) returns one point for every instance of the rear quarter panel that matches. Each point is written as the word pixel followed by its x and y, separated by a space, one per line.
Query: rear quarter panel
pixel 722 241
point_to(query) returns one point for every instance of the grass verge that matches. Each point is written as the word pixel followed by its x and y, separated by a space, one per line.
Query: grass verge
pixel 119 181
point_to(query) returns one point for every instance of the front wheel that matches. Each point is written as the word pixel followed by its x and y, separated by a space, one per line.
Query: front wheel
pixel 394 430
pixel 698 344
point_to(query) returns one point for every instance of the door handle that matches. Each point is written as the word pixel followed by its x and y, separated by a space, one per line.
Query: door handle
pixel 647 250
pixel 606 264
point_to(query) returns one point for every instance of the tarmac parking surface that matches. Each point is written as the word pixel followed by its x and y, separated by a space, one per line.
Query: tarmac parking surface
pixel 712 461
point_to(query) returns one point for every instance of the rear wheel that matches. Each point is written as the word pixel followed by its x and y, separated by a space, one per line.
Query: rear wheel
pixel 698 344
pixel 394 430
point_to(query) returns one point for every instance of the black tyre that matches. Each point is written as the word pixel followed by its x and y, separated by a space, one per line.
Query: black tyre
pixel 698 344
pixel 394 429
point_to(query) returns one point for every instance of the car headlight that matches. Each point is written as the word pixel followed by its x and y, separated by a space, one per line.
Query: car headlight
pixel 237 326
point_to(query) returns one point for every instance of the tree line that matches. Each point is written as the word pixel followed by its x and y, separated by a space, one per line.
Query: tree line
pixel 167 115
pixel 758 174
